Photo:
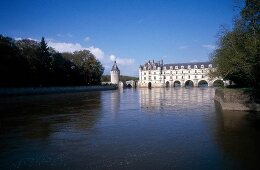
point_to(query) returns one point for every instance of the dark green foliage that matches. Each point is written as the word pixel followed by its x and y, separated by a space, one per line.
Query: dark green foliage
pixel 31 63
pixel 106 78
pixel 238 55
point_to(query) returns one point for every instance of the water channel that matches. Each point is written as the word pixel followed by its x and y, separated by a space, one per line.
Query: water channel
pixel 172 128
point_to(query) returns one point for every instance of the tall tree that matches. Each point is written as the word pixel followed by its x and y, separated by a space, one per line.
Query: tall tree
pixel 237 57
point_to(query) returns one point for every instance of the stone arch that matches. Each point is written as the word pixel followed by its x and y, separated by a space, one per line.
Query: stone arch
pixel 218 83
pixel 189 83
pixel 129 86
pixel 176 83
pixel 149 85
pixel 167 84
pixel 203 83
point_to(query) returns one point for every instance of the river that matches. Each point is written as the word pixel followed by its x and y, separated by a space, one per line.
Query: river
pixel 175 128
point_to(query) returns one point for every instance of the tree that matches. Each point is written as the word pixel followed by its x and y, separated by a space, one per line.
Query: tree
pixel 91 69
pixel 237 56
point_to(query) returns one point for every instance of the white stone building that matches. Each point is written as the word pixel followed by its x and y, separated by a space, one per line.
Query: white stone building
pixel 157 74
pixel 115 74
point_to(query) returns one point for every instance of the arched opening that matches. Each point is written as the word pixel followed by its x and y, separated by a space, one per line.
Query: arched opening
pixel 167 84
pixel 149 85
pixel 189 83
pixel 203 83
pixel 218 83
pixel 176 83
pixel 129 86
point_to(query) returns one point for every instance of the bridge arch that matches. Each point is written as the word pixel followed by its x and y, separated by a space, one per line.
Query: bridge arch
pixel 218 83
pixel 149 85
pixel 176 83
pixel 167 84
pixel 189 83
pixel 203 83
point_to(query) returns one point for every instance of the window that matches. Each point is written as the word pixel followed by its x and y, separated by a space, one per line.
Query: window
pixel 188 66
pixel 195 76
pixel 182 67
pixel 154 73
pixel 182 72
pixel 171 72
pixel 144 73
pixel 182 77
pixel 176 67
pixel 195 66
pixel 149 72
pixel 195 71
pixel 154 77
pixel 176 77
pixel 176 72
pixel 202 76
pixel 201 71
pixel 170 77
pixel 189 71
pixel 202 66
pixel 189 77
pixel 171 67
pixel 144 78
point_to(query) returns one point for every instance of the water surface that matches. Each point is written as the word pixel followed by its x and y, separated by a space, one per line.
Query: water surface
pixel 126 129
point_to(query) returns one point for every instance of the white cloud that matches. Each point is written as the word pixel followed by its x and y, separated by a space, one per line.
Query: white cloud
pixel 71 47
pixel 112 57
pixel 86 39
pixel 209 46
pixel 96 52
pixel 19 38
pixel 122 61
pixel 183 47
pixel 65 47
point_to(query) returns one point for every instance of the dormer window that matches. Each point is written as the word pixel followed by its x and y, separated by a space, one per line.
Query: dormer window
pixel 164 68
pixel 195 66
pixel 188 66
pixel 171 67
pixel 202 66
pixel 176 67
pixel 182 67
pixel 210 65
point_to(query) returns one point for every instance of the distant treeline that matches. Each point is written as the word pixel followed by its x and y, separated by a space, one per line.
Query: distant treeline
pixel 28 63
pixel 106 78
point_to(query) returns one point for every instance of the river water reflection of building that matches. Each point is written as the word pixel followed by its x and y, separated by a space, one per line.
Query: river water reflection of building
pixel 174 98
pixel 174 128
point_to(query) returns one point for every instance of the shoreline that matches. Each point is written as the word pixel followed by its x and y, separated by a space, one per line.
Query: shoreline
pixel 24 91
pixel 236 100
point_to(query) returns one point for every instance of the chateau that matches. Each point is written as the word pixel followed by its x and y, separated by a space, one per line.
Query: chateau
pixel 157 74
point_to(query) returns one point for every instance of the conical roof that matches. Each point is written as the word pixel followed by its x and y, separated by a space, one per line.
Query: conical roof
pixel 115 68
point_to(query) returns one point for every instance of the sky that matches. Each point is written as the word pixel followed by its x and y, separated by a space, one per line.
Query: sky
pixel 130 31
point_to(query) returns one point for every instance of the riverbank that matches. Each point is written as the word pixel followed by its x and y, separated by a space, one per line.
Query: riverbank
pixel 50 90
pixel 237 99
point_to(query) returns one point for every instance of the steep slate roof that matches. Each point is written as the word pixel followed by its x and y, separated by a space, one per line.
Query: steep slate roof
pixel 206 65
pixel 115 68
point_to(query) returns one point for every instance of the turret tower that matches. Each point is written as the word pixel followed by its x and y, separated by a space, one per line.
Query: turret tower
pixel 115 73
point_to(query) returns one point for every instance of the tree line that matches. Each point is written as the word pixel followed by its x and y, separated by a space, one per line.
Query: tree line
pixel 237 57
pixel 29 63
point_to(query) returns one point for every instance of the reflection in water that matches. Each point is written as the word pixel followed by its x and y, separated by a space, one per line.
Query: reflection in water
pixel 238 134
pixel 175 98
pixel 173 128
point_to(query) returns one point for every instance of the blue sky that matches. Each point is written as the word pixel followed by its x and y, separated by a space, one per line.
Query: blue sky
pixel 132 31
